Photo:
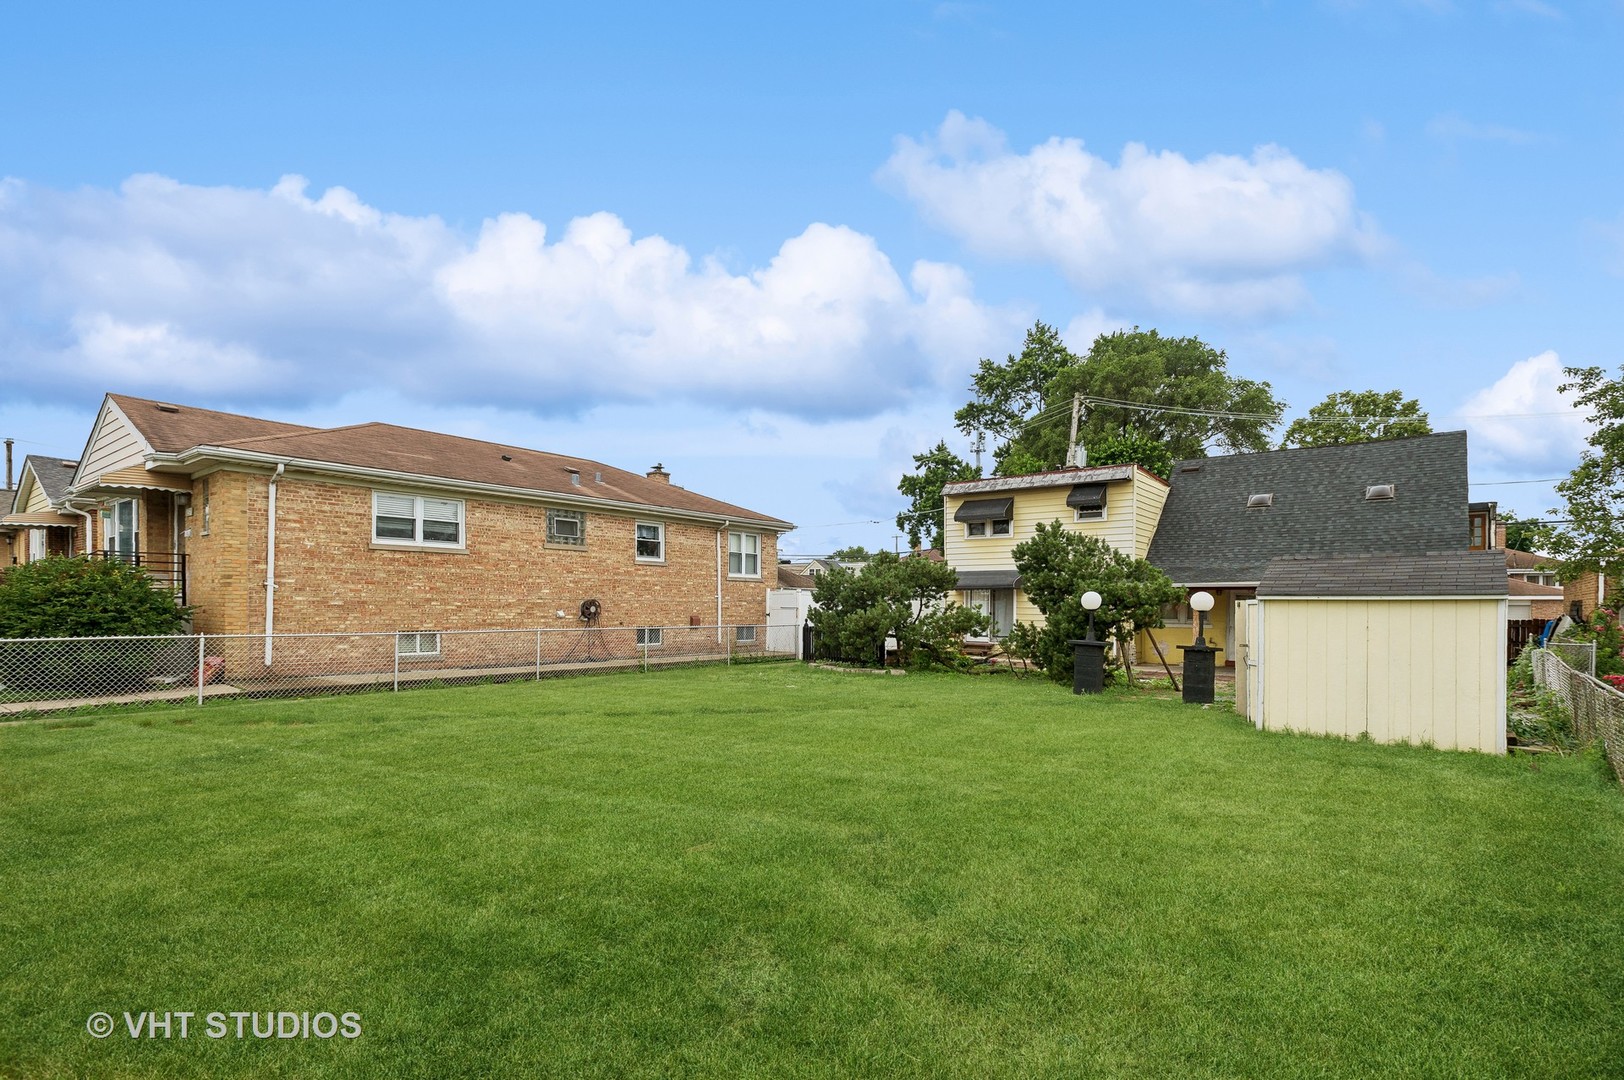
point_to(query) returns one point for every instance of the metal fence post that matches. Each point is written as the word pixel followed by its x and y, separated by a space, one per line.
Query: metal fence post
pixel 645 653
pixel 730 638
pixel 201 650
pixel 538 654
pixel 397 661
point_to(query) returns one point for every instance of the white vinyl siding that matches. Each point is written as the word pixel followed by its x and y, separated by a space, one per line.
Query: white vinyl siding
pixel 743 555
pixel 114 444
pixel 650 544
pixel 416 520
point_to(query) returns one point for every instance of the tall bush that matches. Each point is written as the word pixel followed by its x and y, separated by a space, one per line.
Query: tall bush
pixel 1057 566
pixel 892 596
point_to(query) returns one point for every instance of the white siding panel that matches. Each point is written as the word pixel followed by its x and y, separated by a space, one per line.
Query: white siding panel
pixel 1418 671
pixel 114 444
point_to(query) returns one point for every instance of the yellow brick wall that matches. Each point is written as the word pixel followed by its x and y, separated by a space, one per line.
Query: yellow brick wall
pixel 331 577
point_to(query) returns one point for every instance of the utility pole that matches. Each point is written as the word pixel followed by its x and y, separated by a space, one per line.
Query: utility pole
pixel 1071 441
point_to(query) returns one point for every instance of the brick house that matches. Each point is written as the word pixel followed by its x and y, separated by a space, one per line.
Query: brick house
pixel 40 522
pixel 266 525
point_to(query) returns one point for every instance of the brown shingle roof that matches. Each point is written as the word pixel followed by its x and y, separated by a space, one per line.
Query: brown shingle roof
pixel 1519 587
pixel 170 432
pixel 431 455
pixel 1527 560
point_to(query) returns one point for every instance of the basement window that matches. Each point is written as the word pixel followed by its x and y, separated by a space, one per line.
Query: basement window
pixel 744 635
pixel 650 636
pixel 417 646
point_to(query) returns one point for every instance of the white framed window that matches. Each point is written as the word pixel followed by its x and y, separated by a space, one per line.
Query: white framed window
pixel 1091 513
pixel 124 533
pixel 416 520
pixel 744 634
pixel 1178 614
pixel 416 646
pixel 566 527
pixel 743 554
pixel 650 541
pixel 651 636
pixel 999 527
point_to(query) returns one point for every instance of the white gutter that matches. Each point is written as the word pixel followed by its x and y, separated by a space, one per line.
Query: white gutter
pixel 442 483
pixel 270 560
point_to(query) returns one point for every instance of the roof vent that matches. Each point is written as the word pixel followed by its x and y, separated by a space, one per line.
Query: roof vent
pixel 1257 502
pixel 161 407
pixel 1377 492
pixel 575 476
pixel 507 457
pixel 1190 466
pixel 598 476
pixel 69 464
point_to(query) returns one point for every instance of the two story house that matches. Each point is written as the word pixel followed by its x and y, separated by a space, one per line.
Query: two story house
pixel 985 519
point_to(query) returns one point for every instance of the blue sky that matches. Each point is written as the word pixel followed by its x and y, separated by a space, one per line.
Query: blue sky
pixel 766 246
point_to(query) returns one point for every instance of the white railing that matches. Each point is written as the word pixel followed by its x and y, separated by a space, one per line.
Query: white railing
pixel 38 674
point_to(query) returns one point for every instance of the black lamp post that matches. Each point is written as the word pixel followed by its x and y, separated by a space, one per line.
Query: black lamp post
pixel 1200 663
pixel 1088 654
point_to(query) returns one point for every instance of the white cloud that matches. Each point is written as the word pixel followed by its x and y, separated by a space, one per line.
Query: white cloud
pixel 1523 420
pixel 1452 127
pixel 1224 236
pixel 232 294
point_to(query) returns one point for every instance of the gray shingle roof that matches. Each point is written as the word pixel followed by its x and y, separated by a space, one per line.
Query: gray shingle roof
pixel 1208 536
pixel 53 475
pixel 1451 573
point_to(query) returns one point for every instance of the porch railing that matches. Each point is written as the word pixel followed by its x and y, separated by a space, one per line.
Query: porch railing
pixel 166 568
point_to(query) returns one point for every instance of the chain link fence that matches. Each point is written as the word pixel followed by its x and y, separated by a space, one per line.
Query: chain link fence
pixel 49 674
pixel 1579 655
pixel 1597 709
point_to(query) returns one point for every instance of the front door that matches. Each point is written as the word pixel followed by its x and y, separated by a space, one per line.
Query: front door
pixel 123 534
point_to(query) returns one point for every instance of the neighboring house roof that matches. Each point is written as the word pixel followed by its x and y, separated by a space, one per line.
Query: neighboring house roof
pixel 794 579
pixel 1093 474
pixel 8 499
pixel 53 475
pixel 1527 560
pixel 1520 587
pixel 1208 535
pixel 1452 573
pixel 189 435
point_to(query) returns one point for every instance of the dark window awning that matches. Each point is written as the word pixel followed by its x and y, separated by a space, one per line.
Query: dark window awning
pixel 1087 497
pixel 989 579
pixel 984 510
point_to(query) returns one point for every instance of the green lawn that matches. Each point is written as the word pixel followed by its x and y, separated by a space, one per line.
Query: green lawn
pixel 773 871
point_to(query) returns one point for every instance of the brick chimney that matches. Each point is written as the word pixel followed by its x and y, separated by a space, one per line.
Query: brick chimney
pixel 1500 535
pixel 658 474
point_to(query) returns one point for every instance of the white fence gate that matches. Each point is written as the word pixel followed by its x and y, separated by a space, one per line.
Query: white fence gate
pixel 786 611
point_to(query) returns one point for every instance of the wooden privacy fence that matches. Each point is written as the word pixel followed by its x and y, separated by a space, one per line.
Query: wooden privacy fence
pixel 1597 709
pixel 1519 632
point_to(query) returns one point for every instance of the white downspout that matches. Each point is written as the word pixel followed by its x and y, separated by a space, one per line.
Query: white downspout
pixel 719 533
pixel 89 523
pixel 270 560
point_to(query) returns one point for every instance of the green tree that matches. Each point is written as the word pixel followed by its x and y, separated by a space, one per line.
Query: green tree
pixel 1525 534
pixel 1057 566
pixel 905 597
pixel 1349 416
pixel 1176 392
pixel 935 469
pixel 1007 394
pixel 1592 538
pixel 1132 450
pixel 854 553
